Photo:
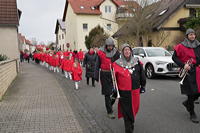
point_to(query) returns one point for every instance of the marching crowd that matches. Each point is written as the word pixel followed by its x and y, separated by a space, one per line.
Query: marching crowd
pixel 68 62
pixel 108 64
pixel 122 75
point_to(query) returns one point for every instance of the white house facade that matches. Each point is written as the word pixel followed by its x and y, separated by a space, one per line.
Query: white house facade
pixel 81 17
pixel 60 35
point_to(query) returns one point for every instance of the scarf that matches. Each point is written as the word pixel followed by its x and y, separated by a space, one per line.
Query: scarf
pixel 190 44
pixel 127 64
pixel 108 54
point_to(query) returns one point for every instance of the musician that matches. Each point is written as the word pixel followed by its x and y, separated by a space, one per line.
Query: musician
pixel 106 56
pixel 189 50
pixel 131 82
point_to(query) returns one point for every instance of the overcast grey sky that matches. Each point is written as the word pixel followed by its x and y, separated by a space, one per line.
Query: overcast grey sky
pixel 39 18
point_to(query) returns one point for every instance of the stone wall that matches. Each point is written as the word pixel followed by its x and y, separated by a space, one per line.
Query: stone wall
pixel 8 72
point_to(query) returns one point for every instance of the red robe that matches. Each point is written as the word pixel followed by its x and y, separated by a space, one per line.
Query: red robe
pixel 55 61
pixel 124 83
pixel 66 53
pixel 184 54
pixel 105 62
pixel 80 55
pixel 50 60
pixel 76 73
pixel 67 65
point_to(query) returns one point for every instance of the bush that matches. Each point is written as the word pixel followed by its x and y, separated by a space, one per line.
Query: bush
pixel 194 23
pixel 96 37
pixel 3 57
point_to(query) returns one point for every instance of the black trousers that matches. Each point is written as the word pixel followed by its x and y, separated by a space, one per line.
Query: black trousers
pixel 93 81
pixel 28 60
pixel 190 102
pixel 109 103
pixel 129 125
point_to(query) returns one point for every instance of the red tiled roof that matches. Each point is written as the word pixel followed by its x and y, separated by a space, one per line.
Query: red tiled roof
pixel 87 6
pixel 9 12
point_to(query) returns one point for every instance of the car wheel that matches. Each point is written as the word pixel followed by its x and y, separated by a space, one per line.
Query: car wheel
pixel 149 71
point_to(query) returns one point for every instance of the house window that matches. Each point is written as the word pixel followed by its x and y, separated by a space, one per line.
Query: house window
pixel 85 26
pixel 192 12
pixel 109 26
pixel 62 36
pixel 107 9
pixel 59 37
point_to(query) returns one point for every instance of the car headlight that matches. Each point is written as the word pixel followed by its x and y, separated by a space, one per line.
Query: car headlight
pixel 160 62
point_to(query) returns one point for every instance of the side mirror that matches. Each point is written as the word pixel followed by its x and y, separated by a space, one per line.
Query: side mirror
pixel 142 55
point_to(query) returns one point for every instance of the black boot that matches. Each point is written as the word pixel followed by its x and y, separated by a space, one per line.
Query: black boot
pixel 87 81
pixel 93 85
pixel 93 82
pixel 185 103
pixel 193 117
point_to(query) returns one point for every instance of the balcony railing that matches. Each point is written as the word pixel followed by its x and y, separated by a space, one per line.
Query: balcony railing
pixel 124 15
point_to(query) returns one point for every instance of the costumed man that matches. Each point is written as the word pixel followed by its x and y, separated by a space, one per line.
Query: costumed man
pixel 130 81
pixel 106 56
pixel 189 50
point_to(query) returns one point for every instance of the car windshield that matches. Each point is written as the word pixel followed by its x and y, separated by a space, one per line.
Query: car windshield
pixel 157 52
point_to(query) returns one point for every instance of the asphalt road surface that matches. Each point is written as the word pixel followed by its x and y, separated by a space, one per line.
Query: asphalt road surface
pixel 161 109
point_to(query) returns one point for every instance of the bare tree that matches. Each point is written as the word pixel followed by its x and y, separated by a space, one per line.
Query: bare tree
pixel 161 37
pixel 142 22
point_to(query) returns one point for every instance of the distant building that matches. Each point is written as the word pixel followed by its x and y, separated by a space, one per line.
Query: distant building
pixel 9 22
pixel 25 44
pixel 168 19
pixel 81 16
pixel 60 35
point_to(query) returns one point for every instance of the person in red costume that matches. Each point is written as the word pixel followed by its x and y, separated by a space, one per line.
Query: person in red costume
pixel 56 62
pixel 189 50
pixel 81 56
pixel 50 61
pixel 67 66
pixel 131 81
pixel 107 54
pixel 76 73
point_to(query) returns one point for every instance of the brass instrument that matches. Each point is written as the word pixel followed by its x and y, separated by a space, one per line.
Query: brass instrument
pixel 183 72
pixel 114 81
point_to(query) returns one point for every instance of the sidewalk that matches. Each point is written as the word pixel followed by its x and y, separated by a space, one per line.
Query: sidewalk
pixel 36 103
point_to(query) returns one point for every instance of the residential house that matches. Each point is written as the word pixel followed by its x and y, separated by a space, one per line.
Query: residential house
pixel 25 44
pixel 126 12
pixel 60 35
pixel 81 16
pixel 167 29
pixel 9 22
pixel 22 42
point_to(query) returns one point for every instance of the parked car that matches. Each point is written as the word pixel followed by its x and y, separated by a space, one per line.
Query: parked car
pixel 156 61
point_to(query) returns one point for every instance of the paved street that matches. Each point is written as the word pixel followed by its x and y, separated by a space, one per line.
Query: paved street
pixel 35 103
pixel 161 110
pixel 52 105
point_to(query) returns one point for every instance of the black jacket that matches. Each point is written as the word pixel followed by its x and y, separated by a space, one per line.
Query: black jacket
pixel 89 64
